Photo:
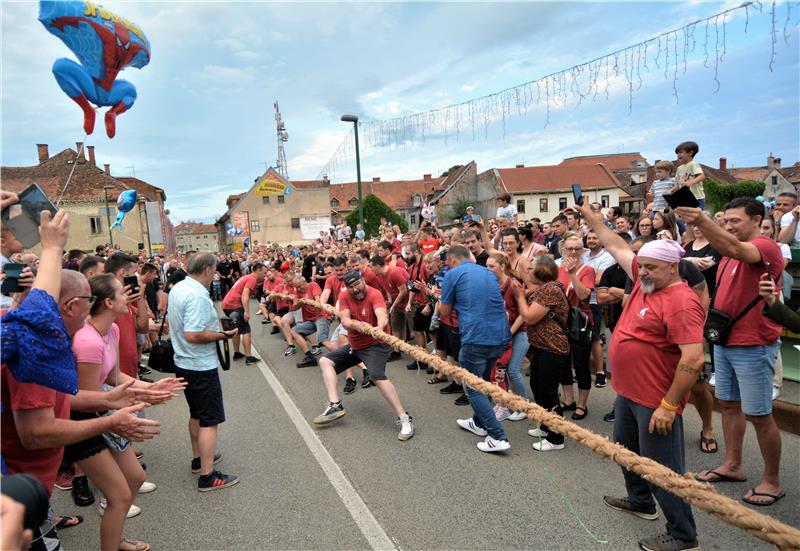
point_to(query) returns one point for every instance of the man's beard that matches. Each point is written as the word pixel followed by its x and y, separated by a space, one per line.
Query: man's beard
pixel 647 284
pixel 359 295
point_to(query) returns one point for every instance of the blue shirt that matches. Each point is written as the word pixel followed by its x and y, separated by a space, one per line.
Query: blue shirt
pixel 475 295
pixel 191 311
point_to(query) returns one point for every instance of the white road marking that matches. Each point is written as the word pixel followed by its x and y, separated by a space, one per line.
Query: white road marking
pixel 363 517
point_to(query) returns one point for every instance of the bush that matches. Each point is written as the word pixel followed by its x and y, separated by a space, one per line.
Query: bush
pixel 374 210
pixel 459 208
pixel 718 195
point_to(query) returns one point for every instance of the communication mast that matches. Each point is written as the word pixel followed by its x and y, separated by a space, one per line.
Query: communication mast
pixel 283 137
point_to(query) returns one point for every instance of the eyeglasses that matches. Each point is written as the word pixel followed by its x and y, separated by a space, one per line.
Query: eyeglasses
pixel 90 299
pixel 573 249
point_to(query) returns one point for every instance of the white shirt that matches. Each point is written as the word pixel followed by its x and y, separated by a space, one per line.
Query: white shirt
pixel 509 211
pixel 599 262
pixel 786 220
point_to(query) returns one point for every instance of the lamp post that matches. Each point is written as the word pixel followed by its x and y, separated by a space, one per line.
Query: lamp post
pixel 143 204
pixel 108 215
pixel 354 120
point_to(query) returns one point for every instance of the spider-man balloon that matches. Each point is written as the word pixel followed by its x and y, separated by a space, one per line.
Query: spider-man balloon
pixel 104 43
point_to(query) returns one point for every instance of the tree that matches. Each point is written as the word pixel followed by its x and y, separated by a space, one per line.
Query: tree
pixel 450 170
pixel 459 208
pixel 374 210
pixel 718 195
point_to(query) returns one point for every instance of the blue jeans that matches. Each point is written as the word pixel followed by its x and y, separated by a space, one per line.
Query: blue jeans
pixel 744 374
pixel 519 347
pixel 479 359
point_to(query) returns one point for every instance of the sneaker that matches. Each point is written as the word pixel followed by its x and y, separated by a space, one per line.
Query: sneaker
pixel 600 380
pixel 134 511
pixel 350 385
pixel 147 487
pixel 452 388
pixel 331 413
pixel 469 424
pixel 216 481
pixel 413 365
pixel 546 446
pixel 406 427
pixel 776 391
pixel 82 496
pixel 366 381
pixel 713 379
pixel 501 413
pixel 264 322
pixel 490 445
pixel 291 349
pixel 317 350
pixel 275 331
pixel 538 433
pixel 609 417
pixel 196 462
pixel 250 360
pixel 665 542
pixel 518 416
pixel 146 379
pixel 462 400
pixel 238 356
pixel 143 370
pixel 624 504
pixel 64 480
pixel 308 361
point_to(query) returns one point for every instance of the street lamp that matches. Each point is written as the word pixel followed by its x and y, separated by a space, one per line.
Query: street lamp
pixel 108 215
pixel 354 120
pixel 143 204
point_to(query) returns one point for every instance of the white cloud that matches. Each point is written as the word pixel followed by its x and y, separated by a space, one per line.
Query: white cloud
pixel 468 87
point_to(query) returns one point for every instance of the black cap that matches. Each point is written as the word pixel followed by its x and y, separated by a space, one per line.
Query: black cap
pixel 351 277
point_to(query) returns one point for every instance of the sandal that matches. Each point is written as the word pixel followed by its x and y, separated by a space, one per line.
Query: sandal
pixel 137 545
pixel 435 380
pixel 706 443
pixel 578 416
pixel 68 521
pixel 774 498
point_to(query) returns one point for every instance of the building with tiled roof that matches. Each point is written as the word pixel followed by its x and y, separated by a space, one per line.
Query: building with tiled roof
pixel 776 178
pixel 194 236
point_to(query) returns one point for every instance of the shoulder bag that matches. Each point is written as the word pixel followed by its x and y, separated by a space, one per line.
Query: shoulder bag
pixel 162 356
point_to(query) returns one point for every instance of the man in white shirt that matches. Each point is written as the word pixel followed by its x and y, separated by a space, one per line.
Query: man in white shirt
pixel 599 259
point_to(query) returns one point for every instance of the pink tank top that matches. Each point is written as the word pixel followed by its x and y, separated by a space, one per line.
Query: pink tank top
pixel 90 347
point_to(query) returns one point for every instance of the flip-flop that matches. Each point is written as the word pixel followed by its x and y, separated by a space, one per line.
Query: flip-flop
pixel 68 521
pixel 708 442
pixel 775 498
pixel 138 545
pixel 436 380
pixel 719 477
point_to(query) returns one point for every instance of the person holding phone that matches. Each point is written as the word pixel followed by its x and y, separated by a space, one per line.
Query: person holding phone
pixel 9 246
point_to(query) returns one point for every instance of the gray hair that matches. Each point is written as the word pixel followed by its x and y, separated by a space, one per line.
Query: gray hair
pixel 199 262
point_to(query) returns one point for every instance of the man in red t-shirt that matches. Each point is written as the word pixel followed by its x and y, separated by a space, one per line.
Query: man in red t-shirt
pixel 386 250
pixel 393 282
pixel 236 306
pixel 657 353
pixel 416 310
pixel 361 303
pixel 267 306
pixel 314 321
pixel 744 364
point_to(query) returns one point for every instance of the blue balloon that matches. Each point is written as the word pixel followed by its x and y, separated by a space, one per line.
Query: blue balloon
pixel 104 44
pixel 125 203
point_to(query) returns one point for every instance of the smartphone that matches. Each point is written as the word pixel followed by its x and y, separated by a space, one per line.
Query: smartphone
pixel 682 198
pixel 23 218
pixel 577 194
pixel 227 324
pixel 11 282
pixel 133 281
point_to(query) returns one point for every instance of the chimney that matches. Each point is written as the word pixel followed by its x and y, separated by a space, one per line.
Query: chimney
pixel 520 166
pixel 79 149
pixel 376 178
pixel 91 155
pixel 325 180
pixel 723 163
pixel 777 162
pixel 427 177
pixel 43 153
pixel 107 168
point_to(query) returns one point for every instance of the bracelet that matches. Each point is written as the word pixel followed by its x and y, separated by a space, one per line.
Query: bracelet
pixel 669 407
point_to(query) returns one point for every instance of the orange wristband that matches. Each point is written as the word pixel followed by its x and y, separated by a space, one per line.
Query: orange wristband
pixel 666 405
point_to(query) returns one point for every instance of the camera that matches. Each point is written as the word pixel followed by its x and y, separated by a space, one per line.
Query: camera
pixel 411 288
pixel 27 490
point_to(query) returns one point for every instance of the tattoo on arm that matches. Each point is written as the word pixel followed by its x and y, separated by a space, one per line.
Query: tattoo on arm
pixel 688 369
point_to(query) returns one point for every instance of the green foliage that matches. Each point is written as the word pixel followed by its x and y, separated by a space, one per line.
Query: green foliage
pixel 447 172
pixel 374 209
pixel 717 195
pixel 459 208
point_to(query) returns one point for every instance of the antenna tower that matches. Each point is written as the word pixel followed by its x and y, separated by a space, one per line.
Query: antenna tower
pixel 283 137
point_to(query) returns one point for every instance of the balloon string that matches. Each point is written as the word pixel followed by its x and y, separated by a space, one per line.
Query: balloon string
pixel 74 164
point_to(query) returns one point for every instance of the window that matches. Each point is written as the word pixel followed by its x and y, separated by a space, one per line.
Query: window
pixel 96 224
pixel 353 202
pixel 543 205
pixel 562 203
pixel 521 206
pixel 413 219
pixel 265 200
pixel 295 223
pixel 774 181
pixel 334 203
pixel 604 201
pixel 255 225
pixel 416 200
pixel 281 199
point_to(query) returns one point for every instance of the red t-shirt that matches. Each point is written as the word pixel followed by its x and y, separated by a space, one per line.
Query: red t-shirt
pixel 737 286
pixel 509 291
pixel 393 282
pixel 429 245
pixel 336 286
pixel 644 346
pixel 233 299
pixel 311 313
pixel 397 246
pixel 128 355
pixel 285 289
pixel 16 396
pixel 398 262
pixel 362 311
pixel 586 277
pixel 417 272
pixel 269 286
pixel 372 279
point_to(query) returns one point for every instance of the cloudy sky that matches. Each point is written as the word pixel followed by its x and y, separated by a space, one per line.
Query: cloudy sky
pixel 203 127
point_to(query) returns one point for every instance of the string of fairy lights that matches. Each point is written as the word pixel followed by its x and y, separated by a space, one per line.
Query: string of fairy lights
pixel 668 53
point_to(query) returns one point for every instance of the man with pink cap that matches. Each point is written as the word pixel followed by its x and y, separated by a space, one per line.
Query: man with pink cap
pixel 657 353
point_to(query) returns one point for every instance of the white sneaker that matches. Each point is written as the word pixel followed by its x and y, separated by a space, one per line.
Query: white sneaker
pixel 469 424
pixel 147 487
pixel 406 427
pixel 546 446
pixel 538 433
pixel 135 510
pixel 712 380
pixel 518 416
pixel 501 413
pixel 776 391
pixel 490 445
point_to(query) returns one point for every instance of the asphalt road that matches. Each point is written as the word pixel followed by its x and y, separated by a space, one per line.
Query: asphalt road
pixel 354 485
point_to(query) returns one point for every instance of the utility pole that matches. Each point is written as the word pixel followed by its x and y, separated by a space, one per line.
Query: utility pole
pixel 283 137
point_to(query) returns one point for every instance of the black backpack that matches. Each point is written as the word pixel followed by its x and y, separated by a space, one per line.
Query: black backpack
pixel 577 327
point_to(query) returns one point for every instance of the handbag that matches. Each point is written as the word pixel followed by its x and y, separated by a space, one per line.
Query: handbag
pixel 162 355
pixel 577 326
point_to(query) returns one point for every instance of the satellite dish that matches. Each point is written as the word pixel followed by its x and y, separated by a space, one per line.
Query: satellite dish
pixel 285 136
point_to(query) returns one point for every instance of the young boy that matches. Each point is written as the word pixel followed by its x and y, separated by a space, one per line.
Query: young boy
pixel 689 174
pixel 663 183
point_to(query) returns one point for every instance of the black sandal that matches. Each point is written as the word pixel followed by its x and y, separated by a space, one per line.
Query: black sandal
pixel 706 443
pixel 578 416
pixel 68 521
pixel 435 380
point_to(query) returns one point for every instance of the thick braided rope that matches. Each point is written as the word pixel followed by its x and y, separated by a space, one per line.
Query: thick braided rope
pixel 700 494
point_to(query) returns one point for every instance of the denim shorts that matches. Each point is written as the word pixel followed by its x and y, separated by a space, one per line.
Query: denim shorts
pixel 744 374
pixel 321 327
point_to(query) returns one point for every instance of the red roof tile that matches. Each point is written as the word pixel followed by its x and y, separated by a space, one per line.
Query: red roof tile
pixel 556 177
pixel 613 161
pixel 396 194
pixel 151 192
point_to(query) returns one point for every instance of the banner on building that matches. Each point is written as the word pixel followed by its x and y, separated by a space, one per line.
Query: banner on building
pixel 272 184
pixel 154 228
pixel 310 226
pixel 239 226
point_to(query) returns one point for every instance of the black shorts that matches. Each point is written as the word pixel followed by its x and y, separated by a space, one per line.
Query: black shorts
pixel 597 321
pixel 374 357
pixel 441 339
pixel 271 307
pixel 454 341
pixel 204 395
pixel 421 321
pixel 281 312
pixel 237 317
pixel 85 448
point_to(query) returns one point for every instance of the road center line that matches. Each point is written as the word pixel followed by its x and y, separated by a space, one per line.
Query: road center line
pixel 363 517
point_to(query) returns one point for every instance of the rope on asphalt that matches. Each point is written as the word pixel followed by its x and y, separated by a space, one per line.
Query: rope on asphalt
pixel 700 494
